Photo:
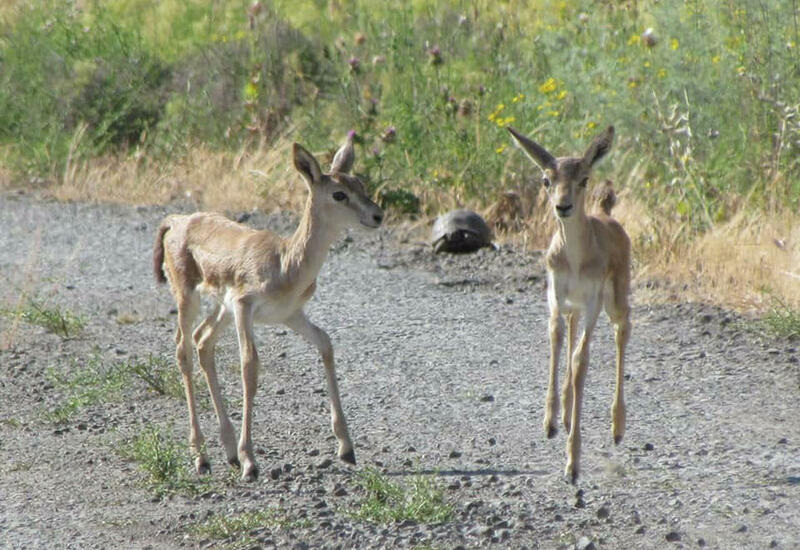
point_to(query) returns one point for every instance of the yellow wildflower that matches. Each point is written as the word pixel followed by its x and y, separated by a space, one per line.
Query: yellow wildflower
pixel 500 149
pixel 673 44
pixel 715 59
pixel 634 40
pixel 662 73
pixel 562 94
pixel 549 86
pixel 591 124
pixel 518 98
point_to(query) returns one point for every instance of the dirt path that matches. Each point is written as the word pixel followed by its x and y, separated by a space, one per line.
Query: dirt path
pixel 442 371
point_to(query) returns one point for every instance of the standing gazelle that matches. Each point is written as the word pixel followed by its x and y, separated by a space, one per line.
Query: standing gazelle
pixel 257 276
pixel 588 266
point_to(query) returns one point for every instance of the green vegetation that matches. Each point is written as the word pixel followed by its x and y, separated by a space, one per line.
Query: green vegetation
pixel 107 382
pixel 782 320
pixel 94 383
pixel 165 462
pixel 422 500
pixel 159 375
pixel 236 529
pixel 50 317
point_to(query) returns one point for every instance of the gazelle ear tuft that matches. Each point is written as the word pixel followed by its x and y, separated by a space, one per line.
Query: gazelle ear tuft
pixel 306 164
pixel 536 152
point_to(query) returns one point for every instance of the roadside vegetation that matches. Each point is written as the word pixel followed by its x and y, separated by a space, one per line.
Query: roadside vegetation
pixel 421 499
pixel 135 101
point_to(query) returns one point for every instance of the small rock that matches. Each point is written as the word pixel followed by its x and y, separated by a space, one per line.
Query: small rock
pixel 340 492
pixel 673 536
pixel 783 441
pixel 602 512
pixel 584 543
pixel 324 463
pixel 275 473
pixel 701 542
pixel 648 447
pixel 640 530
pixel 487 398
pixel 492 441
pixel 455 454
pixel 741 529
pixel 313 452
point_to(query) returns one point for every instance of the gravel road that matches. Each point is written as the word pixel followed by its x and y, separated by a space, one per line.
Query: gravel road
pixel 442 368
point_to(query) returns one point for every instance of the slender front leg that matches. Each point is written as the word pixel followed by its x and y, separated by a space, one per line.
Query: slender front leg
pixel 243 315
pixel 579 368
pixel 205 338
pixel 551 402
pixel 566 390
pixel 187 310
pixel 319 338
pixel 621 336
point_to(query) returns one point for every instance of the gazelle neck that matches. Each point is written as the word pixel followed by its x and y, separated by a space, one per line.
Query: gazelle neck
pixel 308 248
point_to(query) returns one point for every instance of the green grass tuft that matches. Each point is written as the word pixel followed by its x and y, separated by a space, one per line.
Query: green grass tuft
pixel 421 500
pixel 782 321
pixel 236 529
pixel 52 318
pixel 165 462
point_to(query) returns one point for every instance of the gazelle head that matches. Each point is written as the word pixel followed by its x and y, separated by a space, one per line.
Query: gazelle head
pixel 566 177
pixel 338 196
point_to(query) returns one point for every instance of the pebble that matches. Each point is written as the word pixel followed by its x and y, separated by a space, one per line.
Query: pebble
pixel 585 543
pixel 455 454
pixel 602 512
pixel 673 536
pixel 324 463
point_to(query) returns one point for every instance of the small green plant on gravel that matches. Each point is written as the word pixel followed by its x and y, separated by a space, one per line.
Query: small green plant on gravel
pixel 93 383
pixel 782 320
pixel 158 374
pixel 164 461
pixel 421 500
pixel 52 318
pixel 237 528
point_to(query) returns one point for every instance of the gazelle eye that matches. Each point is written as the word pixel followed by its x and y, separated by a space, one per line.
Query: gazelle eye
pixel 339 196
pixel 546 181
pixel 584 182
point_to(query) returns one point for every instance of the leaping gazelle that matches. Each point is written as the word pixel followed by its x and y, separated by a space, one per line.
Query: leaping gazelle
pixel 588 267
pixel 257 276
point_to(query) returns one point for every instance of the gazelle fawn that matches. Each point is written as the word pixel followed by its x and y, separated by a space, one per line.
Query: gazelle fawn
pixel 257 276
pixel 588 267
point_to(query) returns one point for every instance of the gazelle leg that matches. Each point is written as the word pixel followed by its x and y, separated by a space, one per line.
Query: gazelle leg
pixel 551 402
pixel 619 312
pixel 319 338
pixel 566 390
pixel 243 316
pixel 580 364
pixel 205 337
pixel 188 306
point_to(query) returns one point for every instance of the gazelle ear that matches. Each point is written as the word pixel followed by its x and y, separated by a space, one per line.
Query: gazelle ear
pixel 306 164
pixel 599 146
pixel 536 152
pixel 346 155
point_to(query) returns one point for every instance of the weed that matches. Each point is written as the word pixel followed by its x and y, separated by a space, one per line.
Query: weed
pixel 95 382
pixel 782 320
pixel 158 375
pixel 52 318
pixel 237 528
pixel 421 500
pixel 165 462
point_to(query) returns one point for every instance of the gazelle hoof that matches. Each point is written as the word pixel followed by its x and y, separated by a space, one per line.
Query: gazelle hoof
pixel 550 430
pixel 349 457
pixel 571 475
pixel 617 439
pixel 250 475
pixel 203 467
pixel 235 463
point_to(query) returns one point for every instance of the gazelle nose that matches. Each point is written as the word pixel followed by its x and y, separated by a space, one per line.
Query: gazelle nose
pixel 563 210
pixel 378 218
